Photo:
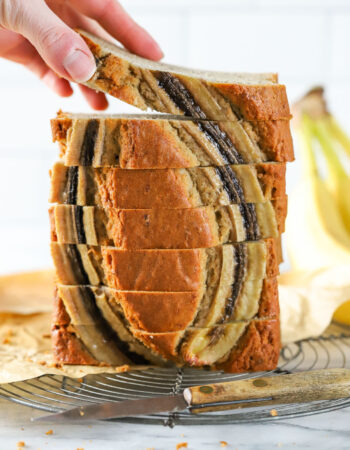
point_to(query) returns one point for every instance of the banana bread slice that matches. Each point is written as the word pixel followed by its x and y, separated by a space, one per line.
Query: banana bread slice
pixel 131 229
pixel 158 312
pixel 165 141
pixel 177 90
pixel 233 347
pixel 165 270
pixel 166 188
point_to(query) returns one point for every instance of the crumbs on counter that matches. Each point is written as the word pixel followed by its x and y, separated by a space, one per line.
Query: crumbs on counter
pixel 181 445
pixel 49 432
pixel 7 337
pixel 21 444
pixel 223 444
pixel 46 335
pixel 56 365
pixel 273 413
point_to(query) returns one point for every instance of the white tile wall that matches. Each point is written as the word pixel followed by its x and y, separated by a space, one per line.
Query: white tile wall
pixel 306 41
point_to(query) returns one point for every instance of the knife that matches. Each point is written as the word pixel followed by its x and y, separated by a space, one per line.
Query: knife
pixel 299 387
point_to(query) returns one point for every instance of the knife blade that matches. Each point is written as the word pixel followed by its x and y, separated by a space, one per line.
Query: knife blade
pixel 299 387
pixel 109 410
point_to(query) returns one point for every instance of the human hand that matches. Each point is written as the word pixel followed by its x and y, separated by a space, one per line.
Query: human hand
pixel 38 34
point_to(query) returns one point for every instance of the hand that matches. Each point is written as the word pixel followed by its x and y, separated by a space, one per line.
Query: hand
pixel 38 34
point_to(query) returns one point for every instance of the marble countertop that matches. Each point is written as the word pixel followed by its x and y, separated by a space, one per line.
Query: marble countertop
pixel 322 431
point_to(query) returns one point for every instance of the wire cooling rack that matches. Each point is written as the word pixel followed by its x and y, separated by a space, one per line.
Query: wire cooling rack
pixel 57 393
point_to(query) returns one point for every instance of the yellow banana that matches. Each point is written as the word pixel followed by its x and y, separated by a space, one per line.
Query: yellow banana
pixel 318 223
pixel 337 180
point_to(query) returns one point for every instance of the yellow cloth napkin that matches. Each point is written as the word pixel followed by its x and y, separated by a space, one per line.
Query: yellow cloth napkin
pixel 308 300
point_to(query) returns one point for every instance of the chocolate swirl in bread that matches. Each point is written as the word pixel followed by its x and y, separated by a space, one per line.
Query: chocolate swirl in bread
pixel 166 188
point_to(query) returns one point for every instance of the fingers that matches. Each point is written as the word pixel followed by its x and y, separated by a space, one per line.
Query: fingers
pixel 57 84
pixel 115 20
pixel 63 50
pixel 16 48
pixel 97 100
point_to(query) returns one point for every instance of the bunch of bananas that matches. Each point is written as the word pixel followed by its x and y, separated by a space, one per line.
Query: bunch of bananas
pixel 318 222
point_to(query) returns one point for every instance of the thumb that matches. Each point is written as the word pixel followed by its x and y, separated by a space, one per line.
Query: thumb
pixel 60 47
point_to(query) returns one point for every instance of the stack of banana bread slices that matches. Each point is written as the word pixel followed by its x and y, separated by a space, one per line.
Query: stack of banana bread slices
pixel 166 228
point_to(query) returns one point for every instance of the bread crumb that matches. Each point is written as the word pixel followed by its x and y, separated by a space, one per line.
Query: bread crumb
pixel 223 444
pixel 21 444
pixel 56 365
pixel 42 363
pixel 80 448
pixel 80 380
pixel 150 448
pixel 81 413
pixel 273 413
pixel 181 445
pixel 7 337
pixel 49 432
pixel 46 336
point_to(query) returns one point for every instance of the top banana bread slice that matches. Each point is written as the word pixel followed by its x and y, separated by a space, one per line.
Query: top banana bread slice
pixel 136 141
pixel 177 90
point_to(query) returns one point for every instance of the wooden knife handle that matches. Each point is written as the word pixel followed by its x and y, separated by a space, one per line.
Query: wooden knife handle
pixel 326 384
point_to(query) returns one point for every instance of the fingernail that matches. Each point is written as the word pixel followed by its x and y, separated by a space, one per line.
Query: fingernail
pixel 160 51
pixel 79 65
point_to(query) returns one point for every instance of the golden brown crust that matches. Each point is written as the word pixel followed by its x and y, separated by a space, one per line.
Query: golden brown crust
pixel 159 311
pixel 269 304
pixel 261 103
pixel 68 349
pixel 66 346
pixel 257 350
pixel 59 313
pixel 146 143
pixel 158 228
pixel 157 271
pixel 275 138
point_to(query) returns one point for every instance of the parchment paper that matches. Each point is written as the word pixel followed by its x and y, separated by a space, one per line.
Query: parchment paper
pixel 308 301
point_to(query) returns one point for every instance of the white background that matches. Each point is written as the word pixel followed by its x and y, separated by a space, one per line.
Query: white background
pixel 306 41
